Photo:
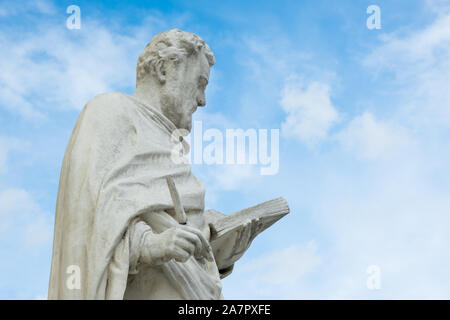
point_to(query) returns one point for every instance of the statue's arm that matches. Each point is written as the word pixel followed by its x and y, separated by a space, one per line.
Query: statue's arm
pixel 146 246
pixel 178 242
pixel 138 230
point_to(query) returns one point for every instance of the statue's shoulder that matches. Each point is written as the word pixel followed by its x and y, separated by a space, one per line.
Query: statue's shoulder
pixel 112 103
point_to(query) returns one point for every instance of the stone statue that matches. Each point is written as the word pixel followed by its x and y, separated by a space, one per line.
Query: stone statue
pixel 130 221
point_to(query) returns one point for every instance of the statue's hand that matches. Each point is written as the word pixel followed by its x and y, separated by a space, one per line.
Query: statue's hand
pixel 245 237
pixel 231 246
pixel 177 243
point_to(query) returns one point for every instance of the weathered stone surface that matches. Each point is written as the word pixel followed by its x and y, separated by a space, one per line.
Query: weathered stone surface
pixel 130 220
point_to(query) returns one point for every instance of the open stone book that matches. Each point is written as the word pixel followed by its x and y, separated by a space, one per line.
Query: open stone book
pixel 231 235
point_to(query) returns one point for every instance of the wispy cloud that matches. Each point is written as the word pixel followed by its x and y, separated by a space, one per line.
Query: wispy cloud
pixel 370 138
pixel 13 8
pixel 394 213
pixel 8 145
pixel 51 67
pixel 282 271
pixel 310 112
pixel 21 216
pixel 420 62
pixel 26 232
pixel 391 211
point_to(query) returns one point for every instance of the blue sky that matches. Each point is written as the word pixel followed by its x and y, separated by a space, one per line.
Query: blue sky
pixel 364 117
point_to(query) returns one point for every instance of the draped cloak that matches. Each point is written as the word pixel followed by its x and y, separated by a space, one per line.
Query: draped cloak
pixel 113 171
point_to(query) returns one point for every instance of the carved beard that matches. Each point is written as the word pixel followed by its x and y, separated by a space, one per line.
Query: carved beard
pixel 176 110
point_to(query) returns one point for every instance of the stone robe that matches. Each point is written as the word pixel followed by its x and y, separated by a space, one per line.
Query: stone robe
pixel 111 192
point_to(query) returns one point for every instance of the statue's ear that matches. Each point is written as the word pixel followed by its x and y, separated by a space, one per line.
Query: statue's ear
pixel 160 70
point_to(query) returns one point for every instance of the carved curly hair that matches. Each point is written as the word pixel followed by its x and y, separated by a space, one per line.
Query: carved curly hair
pixel 173 45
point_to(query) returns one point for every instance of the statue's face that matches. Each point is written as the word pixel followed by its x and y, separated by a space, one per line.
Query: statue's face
pixel 184 89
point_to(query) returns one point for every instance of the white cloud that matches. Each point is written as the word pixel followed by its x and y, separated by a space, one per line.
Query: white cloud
pixel 13 8
pixel 38 232
pixel 391 213
pixel 217 177
pixel 373 139
pixel 222 178
pixel 439 6
pixel 420 61
pixel 420 46
pixel 21 216
pixel 396 218
pixel 310 112
pixel 263 54
pixel 13 201
pixel 394 213
pixel 231 177
pixel 282 271
pixel 52 67
pixel 8 144
pixel 58 72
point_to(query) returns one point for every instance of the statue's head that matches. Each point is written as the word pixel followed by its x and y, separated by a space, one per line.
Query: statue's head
pixel 177 63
